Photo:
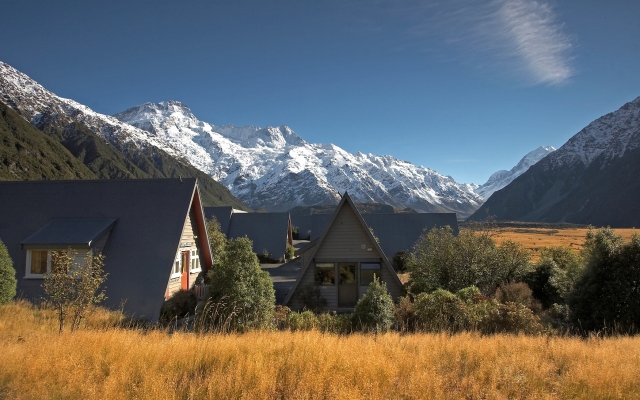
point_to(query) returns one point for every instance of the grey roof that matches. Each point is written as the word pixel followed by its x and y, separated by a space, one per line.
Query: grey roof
pixel 400 231
pixel 268 231
pixel 222 215
pixel 141 248
pixel 396 231
pixel 75 233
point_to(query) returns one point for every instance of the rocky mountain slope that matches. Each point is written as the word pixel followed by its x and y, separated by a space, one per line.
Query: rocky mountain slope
pixel 275 169
pixel 502 178
pixel 108 147
pixel 594 178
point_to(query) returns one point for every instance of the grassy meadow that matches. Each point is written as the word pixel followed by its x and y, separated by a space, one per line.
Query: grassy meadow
pixel 535 239
pixel 104 360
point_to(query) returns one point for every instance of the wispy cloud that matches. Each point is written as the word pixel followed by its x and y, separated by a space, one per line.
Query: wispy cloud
pixel 537 40
pixel 519 37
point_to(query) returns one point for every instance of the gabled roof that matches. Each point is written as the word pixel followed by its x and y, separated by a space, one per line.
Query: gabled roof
pixel 268 231
pixel 140 249
pixel 313 248
pixel 221 214
pixel 396 231
pixel 74 233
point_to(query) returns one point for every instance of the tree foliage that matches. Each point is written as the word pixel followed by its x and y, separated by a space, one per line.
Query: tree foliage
pixel 607 294
pixel 441 260
pixel 242 292
pixel 374 311
pixel 7 276
pixel 72 287
pixel 217 239
pixel 555 275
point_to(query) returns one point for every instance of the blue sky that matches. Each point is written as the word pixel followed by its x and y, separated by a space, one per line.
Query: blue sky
pixel 463 87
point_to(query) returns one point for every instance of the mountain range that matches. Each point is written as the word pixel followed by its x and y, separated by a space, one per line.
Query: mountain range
pixel 109 148
pixel 594 178
pixel 271 168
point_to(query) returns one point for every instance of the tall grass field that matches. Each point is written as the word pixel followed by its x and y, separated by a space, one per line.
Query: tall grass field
pixel 104 360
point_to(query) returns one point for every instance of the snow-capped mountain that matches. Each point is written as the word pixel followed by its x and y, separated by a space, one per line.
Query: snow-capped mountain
pixel 109 148
pixel 502 178
pixel 38 105
pixel 274 168
pixel 594 178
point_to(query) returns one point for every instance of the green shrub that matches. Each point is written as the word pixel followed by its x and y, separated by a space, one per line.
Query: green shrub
pixel 374 311
pixel 510 318
pixel 607 295
pixel 290 252
pixel 180 304
pixel 335 323
pixel 8 280
pixel 442 311
pixel 441 260
pixel 405 315
pixel 399 261
pixel 304 321
pixel 242 295
pixel 311 298
pixel 554 276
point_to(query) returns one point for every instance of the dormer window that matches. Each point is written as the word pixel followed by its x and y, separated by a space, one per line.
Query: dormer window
pixel 82 236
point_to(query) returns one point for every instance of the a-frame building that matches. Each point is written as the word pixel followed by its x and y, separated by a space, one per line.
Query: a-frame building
pixel 341 263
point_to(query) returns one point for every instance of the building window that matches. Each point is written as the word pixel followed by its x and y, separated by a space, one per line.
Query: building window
pixel 177 265
pixel 195 261
pixel 39 262
pixel 325 274
pixel 367 271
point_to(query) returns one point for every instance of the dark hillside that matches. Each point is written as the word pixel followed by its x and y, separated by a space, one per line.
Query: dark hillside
pixel 28 154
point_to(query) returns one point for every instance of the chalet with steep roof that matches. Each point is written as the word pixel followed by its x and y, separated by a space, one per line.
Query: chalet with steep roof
pixel 151 232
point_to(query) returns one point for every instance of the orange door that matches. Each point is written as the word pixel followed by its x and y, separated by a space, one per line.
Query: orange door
pixel 185 270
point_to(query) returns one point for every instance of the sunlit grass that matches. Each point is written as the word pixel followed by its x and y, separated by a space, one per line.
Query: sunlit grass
pixel 100 361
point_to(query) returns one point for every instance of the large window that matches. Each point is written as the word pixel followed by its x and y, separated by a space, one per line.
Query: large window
pixel 39 262
pixel 367 271
pixel 177 266
pixel 325 274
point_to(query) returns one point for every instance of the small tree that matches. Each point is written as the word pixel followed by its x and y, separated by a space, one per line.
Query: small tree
pixel 217 239
pixel 374 311
pixel 7 276
pixel 72 287
pixel 554 276
pixel 242 292
pixel 291 252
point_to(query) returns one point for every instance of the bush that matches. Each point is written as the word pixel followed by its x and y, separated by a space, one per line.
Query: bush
pixel 180 304
pixel 399 262
pixel 442 311
pixel 311 298
pixel 242 295
pixel 510 318
pixel 290 252
pixel 517 292
pixel 374 311
pixel 555 275
pixel 607 295
pixel 8 280
pixel 440 260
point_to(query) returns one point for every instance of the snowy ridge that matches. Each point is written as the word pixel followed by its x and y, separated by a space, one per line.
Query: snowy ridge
pixel 276 169
pixel 502 178
pixel 36 104
pixel 610 136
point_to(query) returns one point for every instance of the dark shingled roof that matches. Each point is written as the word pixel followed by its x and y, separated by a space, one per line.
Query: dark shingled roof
pixel 268 231
pixel 140 249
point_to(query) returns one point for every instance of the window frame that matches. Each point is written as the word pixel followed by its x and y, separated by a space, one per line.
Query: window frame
pixel 177 266
pixel 30 275
pixel 195 261
pixel 378 274
pixel 328 266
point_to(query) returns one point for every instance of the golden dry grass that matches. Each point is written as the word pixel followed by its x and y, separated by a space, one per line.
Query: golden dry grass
pixel 99 362
pixel 535 239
